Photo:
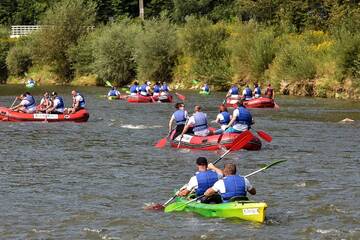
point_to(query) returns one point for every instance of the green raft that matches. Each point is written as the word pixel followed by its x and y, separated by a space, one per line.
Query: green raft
pixel 204 93
pixel 245 210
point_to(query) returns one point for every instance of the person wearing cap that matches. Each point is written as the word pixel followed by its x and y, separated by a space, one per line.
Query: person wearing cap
pixel 27 104
pixel 198 122
pixel 203 179
pixel 241 119
pixel 113 92
pixel 257 91
pixel 145 89
pixel 179 116
pixel 58 105
pixel 247 93
pixel 232 185
pixel 45 102
pixel 134 89
pixel 223 118
pixel 78 103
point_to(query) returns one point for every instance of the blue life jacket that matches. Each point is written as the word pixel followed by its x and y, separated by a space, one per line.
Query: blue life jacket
pixel 206 88
pixel 244 116
pixel 180 117
pixel 248 93
pixel 205 180
pixel 60 106
pixel 234 91
pixel 82 102
pixel 134 89
pixel 200 122
pixel 156 88
pixel 258 90
pixel 143 88
pixel 234 186
pixel 165 88
pixel 31 103
pixel 226 120
pixel 112 93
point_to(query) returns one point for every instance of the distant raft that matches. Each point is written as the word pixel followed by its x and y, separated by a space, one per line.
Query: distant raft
pixel 7 115
pixel 261 102
pixel 149 99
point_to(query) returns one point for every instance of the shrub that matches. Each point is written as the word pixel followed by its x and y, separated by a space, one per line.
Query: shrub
pixel 19 57
pixel 156 51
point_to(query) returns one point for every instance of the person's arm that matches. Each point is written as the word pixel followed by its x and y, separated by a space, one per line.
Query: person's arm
pixel 185 190
pixel 217 170
pixel 217 120
pixel 170 122
pixel 188 125
pixel 249 188
pixel 214 189
pixel 232 120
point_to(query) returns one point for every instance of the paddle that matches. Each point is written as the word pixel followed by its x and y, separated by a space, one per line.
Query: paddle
pixel 162 142
pixel 108 84
pixel 16 98
pixel 181 206
pixel 264 135
pixel 181 97
pixel 238 143
pixel 277 107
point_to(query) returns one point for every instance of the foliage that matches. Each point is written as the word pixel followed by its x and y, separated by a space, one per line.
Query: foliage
pixel 19 58
pixel 5 44
pixel 156 51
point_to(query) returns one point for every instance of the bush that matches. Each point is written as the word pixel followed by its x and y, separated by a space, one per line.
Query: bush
pixel 4 48
pixel 114 53
pixel 18 59
pixel 156 51
pixel 204 53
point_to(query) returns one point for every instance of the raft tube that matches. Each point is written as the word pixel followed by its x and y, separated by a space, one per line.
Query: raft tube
pixel 261 102
pixel 8 115
pixel 149 99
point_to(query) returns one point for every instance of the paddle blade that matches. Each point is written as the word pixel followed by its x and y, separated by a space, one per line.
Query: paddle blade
pixel 264 136
pixel 161 143
pixel 154 207
pixel 181 97
pixel 243 139
pixel 175 207
pixel 277 107
pixel 108 84
pixel 274 163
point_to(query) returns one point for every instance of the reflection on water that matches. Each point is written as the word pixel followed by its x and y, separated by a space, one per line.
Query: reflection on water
pixel 91 181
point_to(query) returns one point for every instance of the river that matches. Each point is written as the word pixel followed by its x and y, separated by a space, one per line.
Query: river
pixel 92 180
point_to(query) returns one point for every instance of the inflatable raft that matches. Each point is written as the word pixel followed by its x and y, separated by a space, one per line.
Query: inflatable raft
pixel 261 102
pixel 149 99
pixel 120 97
pixel 10 116
pixel 245 210
pixel 210 143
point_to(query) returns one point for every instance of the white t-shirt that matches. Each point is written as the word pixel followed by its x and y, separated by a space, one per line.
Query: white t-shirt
pixel 147 90
pixel 239 126
pixel 202 133
pixel 219 186
pixel 26 102
pixel 193 183
pixel 221 118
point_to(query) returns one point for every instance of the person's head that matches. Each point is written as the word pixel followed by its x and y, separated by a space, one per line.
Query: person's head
pixel 164 83
pixel 27 93
pixel 240 103
pixel 256 85
pixel 73 93
pixel 222 108
pixel 229 169
pixel 46 94
pixel 112 88
pixel 179 105
pixel 136 83
pixel 157 83
pixel 197 108
pixel 202 162
pixel 53 94
pixel 269 85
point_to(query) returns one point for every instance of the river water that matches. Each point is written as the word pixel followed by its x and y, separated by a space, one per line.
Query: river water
pixel 92 180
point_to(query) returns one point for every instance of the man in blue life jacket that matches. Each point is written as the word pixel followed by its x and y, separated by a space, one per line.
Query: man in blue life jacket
pixel 113 92
pixel 198 122
pixel 57 106
pixel 231 186
pixel 204 178
pixel 241 119
pixel 233 92
pixel 179 116
pixel 223 118
pixel 164 90
pixel 134 89
pixel 247 93
pixel 206 88
pixel 145 89
pixel 78 103
pixel 27 104
pixel 156 89
pixel 257 91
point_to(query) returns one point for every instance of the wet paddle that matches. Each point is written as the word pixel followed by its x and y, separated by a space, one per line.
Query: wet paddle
pixel 162 142
pixel 16 98
pixel 264 135
pixel 239 143
pixel 181 97
pixel 181 206
pixel 108 84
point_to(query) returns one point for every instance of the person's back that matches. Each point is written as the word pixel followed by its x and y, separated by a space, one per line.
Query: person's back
pixel 241 119
pixel 113 93
pixel 165 88
pixel 269 93
pixel 200 124
pixel 257 91
pixel 156 89
pixel 59 105
pixel 29 103
pixel 247 93
pixel 134 89
pixel 206 88
pixel 233 92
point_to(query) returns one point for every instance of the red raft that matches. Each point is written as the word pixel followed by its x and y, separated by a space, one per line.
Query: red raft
pixel 261 102
pixel 149 99
pixel 8 115
pixel 210 143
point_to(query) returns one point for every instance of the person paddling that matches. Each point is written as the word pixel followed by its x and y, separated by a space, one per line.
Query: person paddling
pixel 203 179
pixel 247 93
pixel 134 89
pixel 231 186
pixel 165 88
pixel 27 104
pixel 179 116
pixel 223 118
pixel 198 122
pixel 156 89
pixel 241 119
pixel 233 92
pixel 145 89
pixel 45 102
pixel 206 88
pixel 257 91
pixel 58 105
pixel 269 93
pixel 113 92
pixel 78 103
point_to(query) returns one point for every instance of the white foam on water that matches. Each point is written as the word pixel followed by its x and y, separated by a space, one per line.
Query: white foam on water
pixel 326 231
pixel 303 184
pixel 93 230
pixel 130 126
pixel 41 231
